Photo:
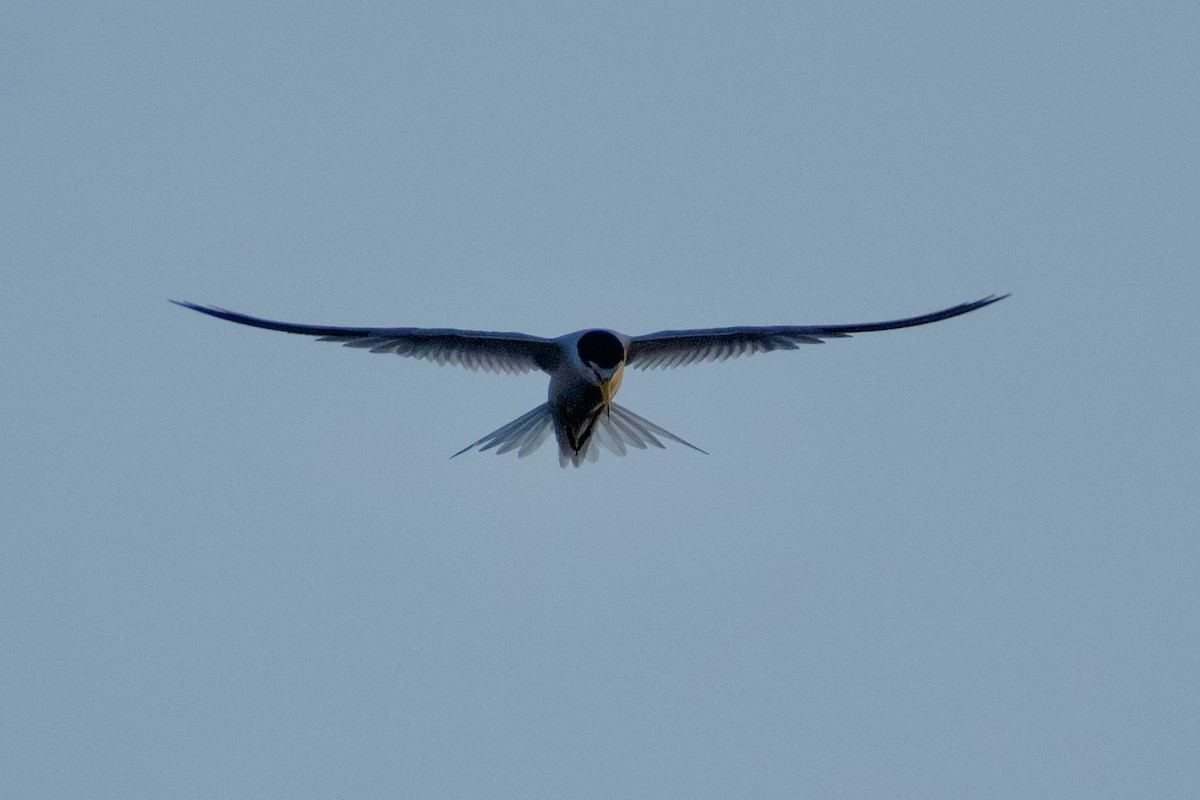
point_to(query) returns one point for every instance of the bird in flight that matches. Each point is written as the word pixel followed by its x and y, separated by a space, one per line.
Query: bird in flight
pixel 585 368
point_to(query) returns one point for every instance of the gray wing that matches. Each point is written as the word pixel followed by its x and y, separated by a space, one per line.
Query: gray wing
pixel 492 351
pixel 679 348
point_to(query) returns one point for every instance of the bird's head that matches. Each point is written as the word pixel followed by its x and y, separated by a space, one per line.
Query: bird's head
pixel 603 354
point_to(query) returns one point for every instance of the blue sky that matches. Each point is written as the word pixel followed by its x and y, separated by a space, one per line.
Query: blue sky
pixel 954 561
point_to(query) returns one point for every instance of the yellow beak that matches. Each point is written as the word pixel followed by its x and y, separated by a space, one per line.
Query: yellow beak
pixel 608 388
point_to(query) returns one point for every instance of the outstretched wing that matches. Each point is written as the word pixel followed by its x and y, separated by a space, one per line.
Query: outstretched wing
pixel 492 351
pixel 679 348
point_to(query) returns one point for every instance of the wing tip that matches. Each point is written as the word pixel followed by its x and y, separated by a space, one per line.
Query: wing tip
pixel 212 311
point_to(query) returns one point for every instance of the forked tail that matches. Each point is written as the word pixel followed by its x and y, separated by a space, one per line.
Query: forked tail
pixel 524 434
pixel 616 432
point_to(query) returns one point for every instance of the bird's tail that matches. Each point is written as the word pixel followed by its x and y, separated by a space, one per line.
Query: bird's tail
pixel 524 434
pixel 616 432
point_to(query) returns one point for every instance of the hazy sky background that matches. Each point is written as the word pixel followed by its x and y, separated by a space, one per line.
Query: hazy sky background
pixel 955 561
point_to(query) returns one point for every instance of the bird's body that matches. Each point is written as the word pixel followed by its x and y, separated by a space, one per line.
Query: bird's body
pixel 578 395
pixel 585 367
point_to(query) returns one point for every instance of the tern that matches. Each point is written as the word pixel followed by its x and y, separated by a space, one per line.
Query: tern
pixel 585 368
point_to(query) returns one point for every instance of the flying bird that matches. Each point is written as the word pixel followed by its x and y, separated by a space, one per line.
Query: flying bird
pixel 585 367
